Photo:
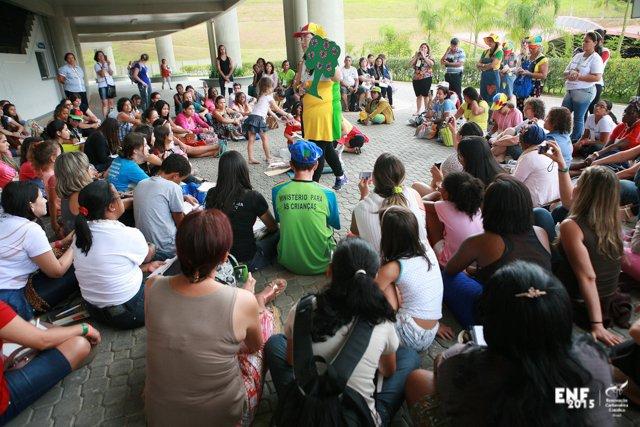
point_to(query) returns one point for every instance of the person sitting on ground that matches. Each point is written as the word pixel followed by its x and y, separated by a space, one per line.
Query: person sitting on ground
pixel 58 131
pixel 192 122
pixel 27 170
pixel 60 351
pixel 75 142
pixel 507 143
pixel 293 129
pixel 177 98
pixel 376 110
pixel 210 100
pixel 352 139
pixel 533 169
pixel 234 195
pixel 457 216
pixel 220 373
pixel 558 127
pixel 351 294
pixel 155 97
pixel 591 253
pixel 42 156
pixel 597 130
pixel 452 163
pixel 158 207
pixel 167 143
pixel 522 364
pixel 136 105
pixel 474 108
pixel 72 172
pixel 476 159
pixel 110 258
pixel 199 108
pixel 163 110
pixel 149 116
pixel 125 172
pixel 388 190
pixel 241 105
pixel 631 259
pixel 89 119
pixel 442 107
pixel 11 125
pixel 61 112
pixel 237 88
pixel 32 277
pixel 307 213
pixel 226 123
pixel 103 145
pixel 9 169
pixel 126 118
pixel 505 114
pixel 270 71
pixel 509 234
pixel 410 269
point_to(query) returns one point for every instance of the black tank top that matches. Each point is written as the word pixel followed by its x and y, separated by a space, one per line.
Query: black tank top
pixel 523 247
pixel 225 65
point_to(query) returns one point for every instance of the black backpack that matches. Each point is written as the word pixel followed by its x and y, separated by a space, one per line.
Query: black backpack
pixel 323 400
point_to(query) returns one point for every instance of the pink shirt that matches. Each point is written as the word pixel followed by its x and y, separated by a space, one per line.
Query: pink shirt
pixel 457 227
pixel 194 123
pixel 7 173
pixel 210 105
pixel 512 119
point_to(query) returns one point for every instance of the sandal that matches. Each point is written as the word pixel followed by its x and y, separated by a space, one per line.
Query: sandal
pixel 278 286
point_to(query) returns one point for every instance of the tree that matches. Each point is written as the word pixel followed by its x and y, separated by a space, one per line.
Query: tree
pixel 393 43
pixel 624 25
pixel 430 20
pixel 522 16
pixel 477 16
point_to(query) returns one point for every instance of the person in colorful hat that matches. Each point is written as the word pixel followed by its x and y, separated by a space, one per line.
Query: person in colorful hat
pixel 307 213
pixel 321 116
pixel 508 68
pixel 489 65
pixel 505 114
pixel 534 66
pixel 377 109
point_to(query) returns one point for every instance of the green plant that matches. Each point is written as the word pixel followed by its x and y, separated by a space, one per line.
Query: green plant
pixel 477 16
pixel 430 19
pixel 521 16
pixel 392 42
pixel 245 70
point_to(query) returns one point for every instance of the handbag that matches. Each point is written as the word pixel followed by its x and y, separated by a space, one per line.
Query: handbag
pixel 272 122
pixel 111 91
pixel 446 136
pixel 190 140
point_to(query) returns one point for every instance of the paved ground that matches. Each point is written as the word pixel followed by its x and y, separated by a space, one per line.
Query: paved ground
pixel 108 390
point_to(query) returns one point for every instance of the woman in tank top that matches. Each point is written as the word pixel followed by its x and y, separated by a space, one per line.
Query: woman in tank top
pixel 225 67
pixel 205 339
pixel 509 235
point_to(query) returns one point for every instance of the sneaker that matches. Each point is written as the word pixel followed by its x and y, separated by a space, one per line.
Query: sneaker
pixel 340 182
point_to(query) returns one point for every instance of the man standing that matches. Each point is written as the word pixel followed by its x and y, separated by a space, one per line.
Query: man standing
pixel 348 85
pixel 307 213
pixel 141 77
pixel 453 59
pixel 71 76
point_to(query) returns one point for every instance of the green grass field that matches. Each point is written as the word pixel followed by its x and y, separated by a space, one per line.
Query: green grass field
pixel 265 36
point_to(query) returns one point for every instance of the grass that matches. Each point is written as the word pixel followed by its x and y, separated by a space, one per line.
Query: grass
pixel 262 28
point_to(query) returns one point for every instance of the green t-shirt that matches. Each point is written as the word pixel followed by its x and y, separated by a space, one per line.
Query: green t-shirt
pixel 307 213
pixel 286 77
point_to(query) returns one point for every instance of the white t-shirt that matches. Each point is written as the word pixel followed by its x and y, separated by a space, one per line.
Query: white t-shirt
pixel 105 81
pixel 20 241
pixel 262 105
pixel 605 125
pixel 368 221
pixel 540 174
pixel 384 340
pixel 349 76
pixel 110 273
pixel 590 65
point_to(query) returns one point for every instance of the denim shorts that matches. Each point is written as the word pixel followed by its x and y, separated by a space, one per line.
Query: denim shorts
pixel 28 384
pixel 104 92
pixel 18 302
pixel 411 334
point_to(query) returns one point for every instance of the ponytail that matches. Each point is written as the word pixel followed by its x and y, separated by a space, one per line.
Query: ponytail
pixel 388 174
pixel 94 199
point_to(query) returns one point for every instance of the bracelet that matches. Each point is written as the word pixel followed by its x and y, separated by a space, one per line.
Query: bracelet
pixel 563 170
pixel 85 329
pixel 596 323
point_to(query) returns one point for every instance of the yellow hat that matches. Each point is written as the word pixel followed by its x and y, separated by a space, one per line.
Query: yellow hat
pixel 499 101
pixel 494 37
pixel 311 28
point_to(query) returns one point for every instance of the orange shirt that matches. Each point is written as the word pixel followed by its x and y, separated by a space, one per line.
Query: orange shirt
pixel 632 135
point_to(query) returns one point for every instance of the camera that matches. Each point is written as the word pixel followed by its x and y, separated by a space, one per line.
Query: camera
pixel 543 148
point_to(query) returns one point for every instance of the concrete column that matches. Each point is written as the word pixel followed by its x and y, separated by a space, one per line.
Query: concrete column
pixel 213 46
pixel 295 16
pixel 79 57
pixel 61 39
pixel 227 33
pixel 107 49
pixel 329 14
pixel 164 47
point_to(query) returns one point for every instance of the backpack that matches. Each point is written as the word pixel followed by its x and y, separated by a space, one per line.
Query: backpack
pixel 323 400
pixel 523 85
pixel 133 65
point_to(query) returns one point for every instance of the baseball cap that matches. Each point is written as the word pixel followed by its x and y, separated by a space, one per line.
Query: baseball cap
pixel 376 89
pixel 493 36
pixel 444 85
pixel 499 101
pixel 311 28
pixel 532 135
pixel 75 117
pixel 508 46
pixel 534 40
pixel 455 41
pixel 304 152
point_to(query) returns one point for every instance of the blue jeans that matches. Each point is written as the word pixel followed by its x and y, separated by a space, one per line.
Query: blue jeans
pixel 506 84
pixel 266 252
pixel 129 315
pixel 461 293
pixel 543 218
pixel 577 101
pixel 28 384
pixel 145 94
pixel 388 401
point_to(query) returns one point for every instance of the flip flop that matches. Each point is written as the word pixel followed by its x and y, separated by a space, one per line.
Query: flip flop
pixel 278 289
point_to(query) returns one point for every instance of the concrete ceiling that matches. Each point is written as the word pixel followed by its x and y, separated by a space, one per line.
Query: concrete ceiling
pixel 112 20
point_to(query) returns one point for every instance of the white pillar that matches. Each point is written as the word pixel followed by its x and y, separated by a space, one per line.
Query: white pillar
pixel 164 47
pixel 329 14
pixel 295 16
pixel 227 33
pixel 213 46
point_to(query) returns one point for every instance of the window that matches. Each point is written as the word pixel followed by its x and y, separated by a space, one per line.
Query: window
pixel 42 65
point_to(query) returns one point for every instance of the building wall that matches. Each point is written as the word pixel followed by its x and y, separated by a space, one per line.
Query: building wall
pixel 20 80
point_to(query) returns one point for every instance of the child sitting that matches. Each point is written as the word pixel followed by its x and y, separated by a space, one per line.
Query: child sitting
pixel 352 138
pixel 294 126
pixel 457 216
pixel 558 123
pixel 411 269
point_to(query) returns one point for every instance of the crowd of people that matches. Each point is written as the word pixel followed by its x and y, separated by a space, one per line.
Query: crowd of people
pixel 501 237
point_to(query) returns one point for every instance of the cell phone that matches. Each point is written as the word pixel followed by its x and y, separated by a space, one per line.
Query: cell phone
pixel 241 273
pixel 543 148
pixel 365 175
pixel 477 335
pixel 437 165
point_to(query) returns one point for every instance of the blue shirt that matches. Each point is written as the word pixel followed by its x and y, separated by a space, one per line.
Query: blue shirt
pixel 124 174
pixel 564 142
pixel 439 108
pixel 143 73
pixel 73 78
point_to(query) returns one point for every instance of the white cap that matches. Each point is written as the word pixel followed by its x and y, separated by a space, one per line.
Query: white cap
pixel 444 85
